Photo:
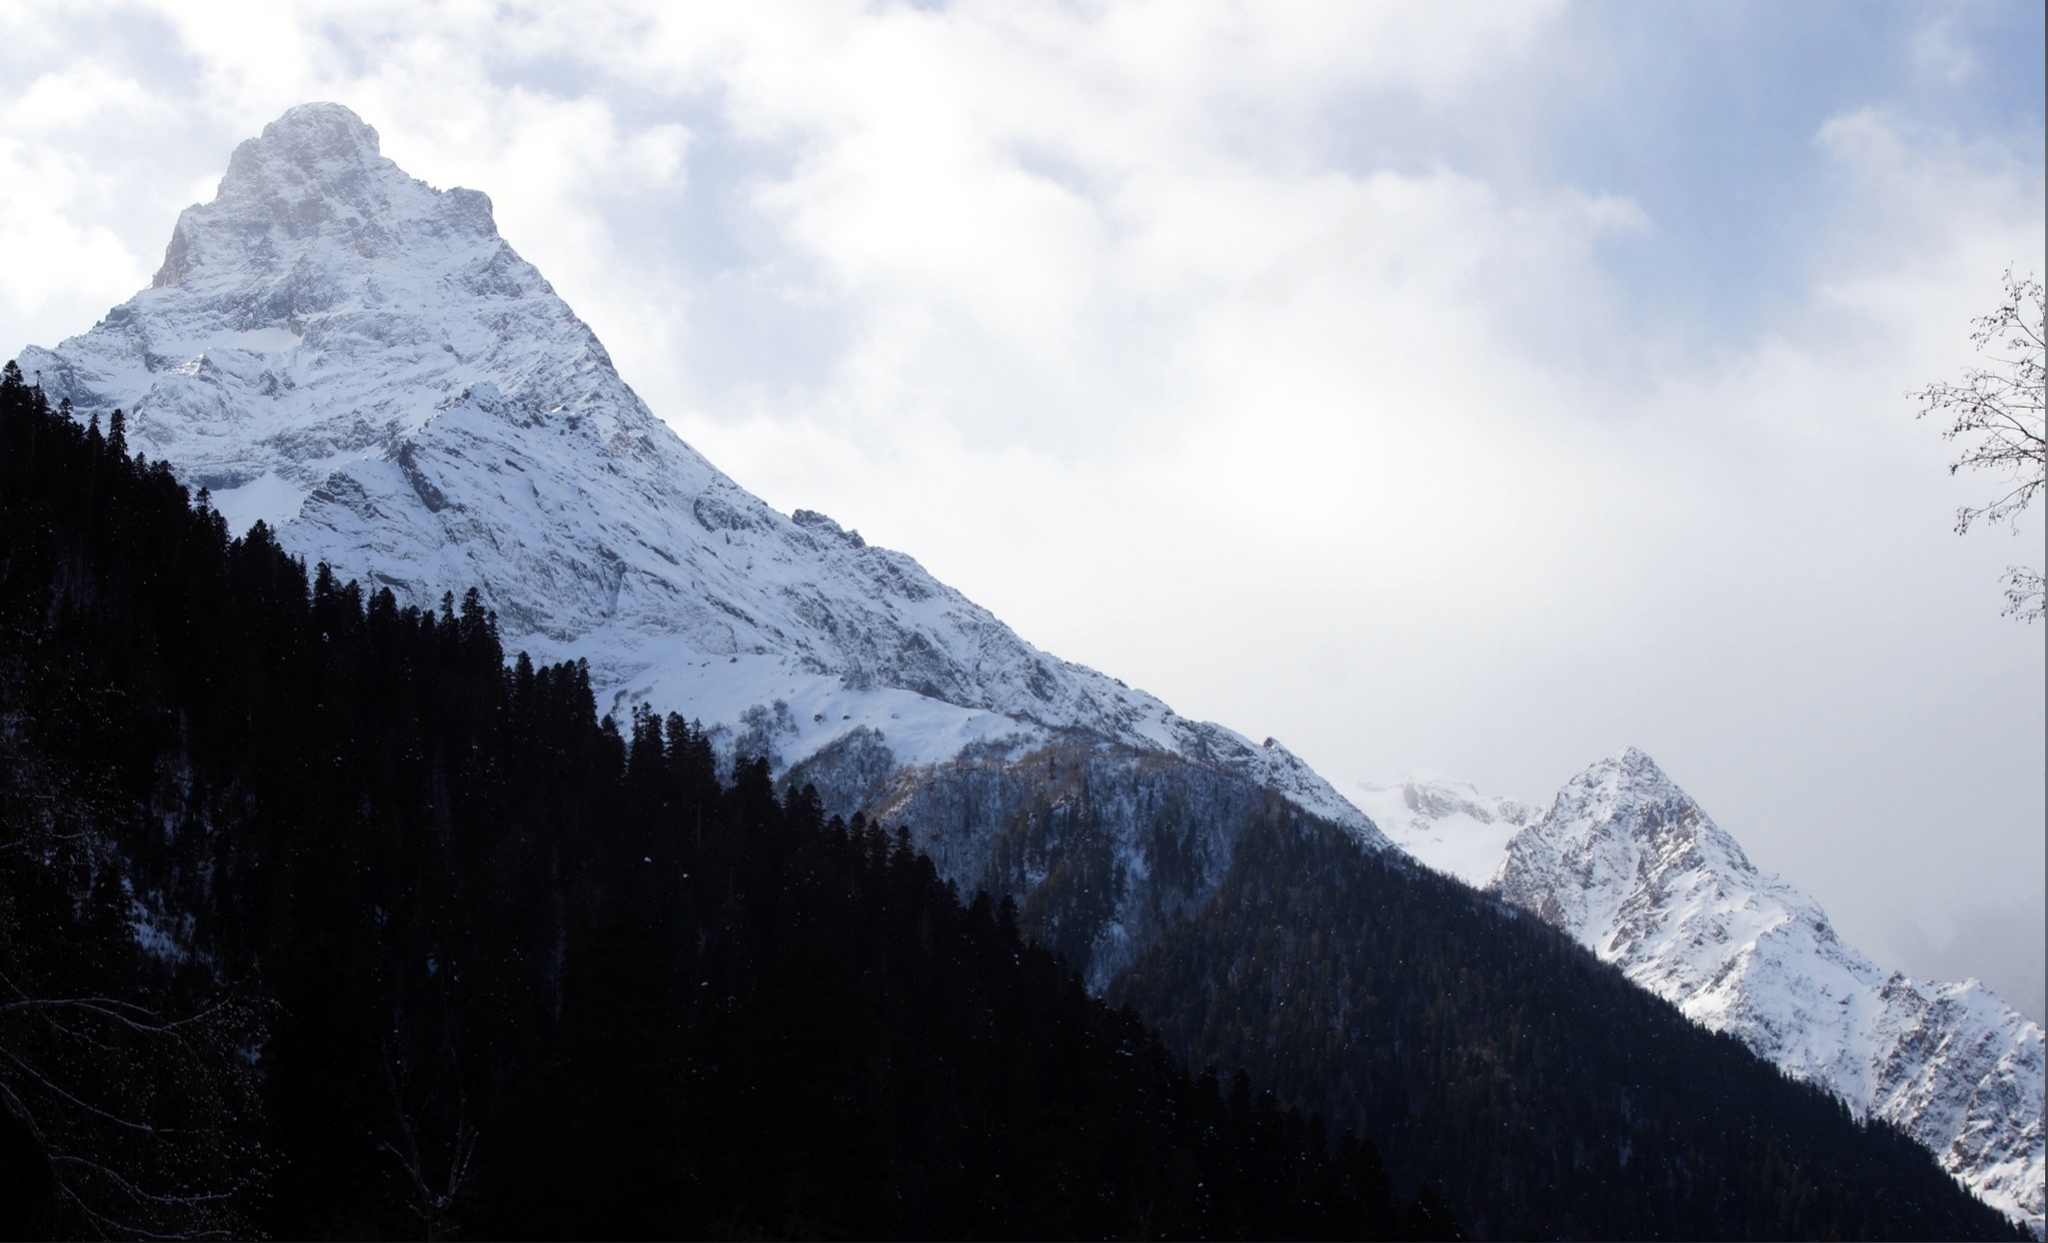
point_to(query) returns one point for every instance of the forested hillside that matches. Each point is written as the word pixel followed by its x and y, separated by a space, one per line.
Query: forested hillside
pixel 319 919
pixel 1552 1097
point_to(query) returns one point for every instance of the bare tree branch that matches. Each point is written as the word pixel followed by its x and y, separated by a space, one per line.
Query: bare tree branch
pixel 1997 416
pixel 434 1208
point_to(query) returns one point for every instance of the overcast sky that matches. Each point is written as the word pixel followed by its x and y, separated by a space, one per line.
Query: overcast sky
pixel 1469 388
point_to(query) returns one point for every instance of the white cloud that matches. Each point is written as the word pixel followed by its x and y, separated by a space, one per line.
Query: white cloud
pixel 51 224
pixel 1938 52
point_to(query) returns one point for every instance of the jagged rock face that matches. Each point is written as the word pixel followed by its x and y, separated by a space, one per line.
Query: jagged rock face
pixel 361 361
pixel 1630 866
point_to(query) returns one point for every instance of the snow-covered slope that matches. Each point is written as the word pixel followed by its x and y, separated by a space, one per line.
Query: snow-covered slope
pixel 1449 826
pixel 1630 866
pixel 359 360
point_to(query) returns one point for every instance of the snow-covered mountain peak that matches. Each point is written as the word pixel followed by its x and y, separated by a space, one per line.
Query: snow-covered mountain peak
pixel 358 359
pixel 325 308
pixel 1620 820
pixel 314 179
pixel 1630 866
pixel 1631 774
pixel 1624 794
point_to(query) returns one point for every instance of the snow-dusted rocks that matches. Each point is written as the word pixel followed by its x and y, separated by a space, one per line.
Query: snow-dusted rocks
pixel 1631 867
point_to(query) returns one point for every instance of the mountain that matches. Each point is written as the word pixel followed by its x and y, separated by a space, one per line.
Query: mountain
pixel 1478 1045
pixel 324 921
pixel 358 361
pixel 1628 865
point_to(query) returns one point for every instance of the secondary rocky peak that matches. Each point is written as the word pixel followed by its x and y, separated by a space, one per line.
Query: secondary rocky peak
pixel 1626 805
pixel 1630 866
pixel 1576 864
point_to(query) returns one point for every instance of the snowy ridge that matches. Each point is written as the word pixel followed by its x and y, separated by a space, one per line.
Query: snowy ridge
pixel 1449 826
pixel 359 360
pixel 1625 862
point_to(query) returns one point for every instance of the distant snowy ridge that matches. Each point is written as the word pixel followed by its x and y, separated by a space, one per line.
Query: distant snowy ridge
pixel 1448 826
pixel 1626 863
pixel 361 361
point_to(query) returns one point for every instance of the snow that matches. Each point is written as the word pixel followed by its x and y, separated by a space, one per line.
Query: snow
pixel 266 498
pixel 1631 867
pixel 811 711
pixel 361 361
pixel 1448 826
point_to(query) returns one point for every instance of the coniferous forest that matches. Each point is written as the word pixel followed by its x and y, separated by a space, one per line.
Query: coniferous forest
pixel 1549 1095
pixel 320 919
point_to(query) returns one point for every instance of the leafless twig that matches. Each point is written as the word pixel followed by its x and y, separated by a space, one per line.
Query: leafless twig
pixel 1997 414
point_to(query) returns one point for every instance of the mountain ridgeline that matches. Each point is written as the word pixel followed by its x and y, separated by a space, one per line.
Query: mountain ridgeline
pixel 320 920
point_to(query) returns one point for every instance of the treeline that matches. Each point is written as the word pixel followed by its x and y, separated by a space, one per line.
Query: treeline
pixel 1552 1097
pixel 319 920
